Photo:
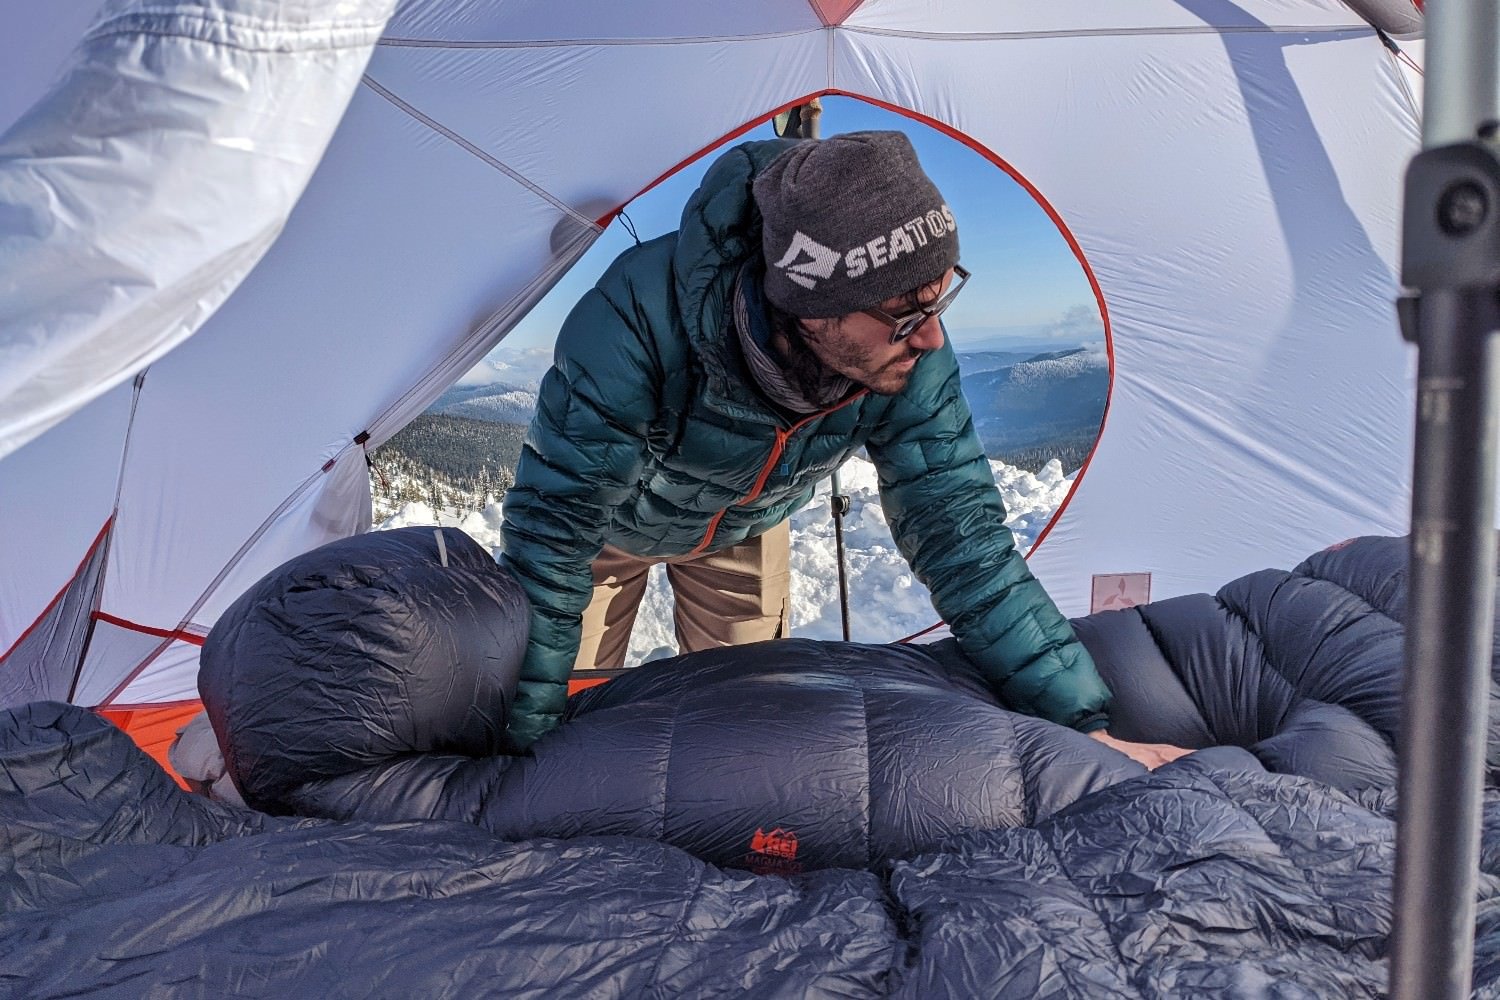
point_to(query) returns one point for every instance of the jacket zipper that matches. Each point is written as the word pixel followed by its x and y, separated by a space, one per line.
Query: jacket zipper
pixel 783 434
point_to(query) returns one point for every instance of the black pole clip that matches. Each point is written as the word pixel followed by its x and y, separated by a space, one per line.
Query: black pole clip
pixel 1451 230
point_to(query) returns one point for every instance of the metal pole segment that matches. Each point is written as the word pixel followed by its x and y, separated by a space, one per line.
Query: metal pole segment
pixel 1461 79
pixel 1451 264
pixel 804 121
pixel 839 504
pixel 1449 625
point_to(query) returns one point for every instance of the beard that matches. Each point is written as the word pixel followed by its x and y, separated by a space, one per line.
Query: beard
pixel 811 377
pixel 818 384
pixel 811 373
pixel 891 378
pixel 825 367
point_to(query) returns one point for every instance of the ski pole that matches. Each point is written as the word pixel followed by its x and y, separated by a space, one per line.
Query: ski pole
pixel 839 504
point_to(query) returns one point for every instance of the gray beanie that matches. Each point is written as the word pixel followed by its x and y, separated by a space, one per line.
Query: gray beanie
pixel 849 222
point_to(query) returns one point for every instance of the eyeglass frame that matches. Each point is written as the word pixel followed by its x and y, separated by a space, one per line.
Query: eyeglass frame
pixel 912 321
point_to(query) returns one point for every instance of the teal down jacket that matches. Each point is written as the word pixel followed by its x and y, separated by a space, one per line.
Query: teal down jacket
pixel 649 434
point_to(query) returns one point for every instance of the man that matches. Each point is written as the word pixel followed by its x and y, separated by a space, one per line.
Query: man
pixel 714 375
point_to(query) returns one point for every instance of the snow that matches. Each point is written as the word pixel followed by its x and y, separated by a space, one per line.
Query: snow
pixel 1056 369
pixel 886 602
pixel 516 403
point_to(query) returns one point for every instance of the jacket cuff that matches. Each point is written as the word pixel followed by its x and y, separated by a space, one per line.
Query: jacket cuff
pixel 1092 723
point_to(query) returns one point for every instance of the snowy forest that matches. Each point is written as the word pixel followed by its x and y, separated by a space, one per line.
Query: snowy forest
pixel 451 464
pixel 1029 408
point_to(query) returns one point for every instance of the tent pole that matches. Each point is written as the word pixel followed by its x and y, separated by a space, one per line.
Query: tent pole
pixel 1451 269
pixel 803 122
pixel 838 502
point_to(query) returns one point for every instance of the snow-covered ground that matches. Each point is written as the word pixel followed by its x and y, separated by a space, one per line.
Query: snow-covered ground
pixel 885 601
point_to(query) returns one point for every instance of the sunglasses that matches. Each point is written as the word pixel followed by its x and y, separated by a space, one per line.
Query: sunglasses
pixel 908 323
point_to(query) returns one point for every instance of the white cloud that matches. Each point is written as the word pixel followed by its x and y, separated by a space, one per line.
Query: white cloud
pixel 523 366
pixel 483 373
pixel 1077 325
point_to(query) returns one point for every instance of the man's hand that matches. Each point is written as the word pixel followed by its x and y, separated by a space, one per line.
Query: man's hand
pixel 1152 755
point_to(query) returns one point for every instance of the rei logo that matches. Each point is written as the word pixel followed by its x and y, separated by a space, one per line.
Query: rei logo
pixel 773 852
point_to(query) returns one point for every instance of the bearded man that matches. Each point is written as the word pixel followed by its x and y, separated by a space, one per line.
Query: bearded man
pixel 714 375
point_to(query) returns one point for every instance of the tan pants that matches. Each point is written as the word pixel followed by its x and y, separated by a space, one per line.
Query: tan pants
pixel 724 598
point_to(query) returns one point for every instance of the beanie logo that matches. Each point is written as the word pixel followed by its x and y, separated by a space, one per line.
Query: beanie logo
pixel 807 260
pixel 906 238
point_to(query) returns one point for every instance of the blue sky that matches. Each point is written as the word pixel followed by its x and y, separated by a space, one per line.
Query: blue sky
pixel 1027 285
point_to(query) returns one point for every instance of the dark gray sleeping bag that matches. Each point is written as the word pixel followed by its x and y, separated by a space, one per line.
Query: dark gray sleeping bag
pixel 366 680
pixel 354 683
pixel 1210 877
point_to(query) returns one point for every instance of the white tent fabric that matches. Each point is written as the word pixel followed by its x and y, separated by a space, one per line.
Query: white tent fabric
pixel 151 178
pixel 1230 172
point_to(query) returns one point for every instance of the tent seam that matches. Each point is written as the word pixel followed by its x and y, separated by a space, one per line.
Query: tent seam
pixel 1165 30
pixel 108 700
pixel 135 403
pixel 554 43
pixel 51 605
pixel 832 54
pixel 171 23
pixel 973 36
pixel 1398 58
pixel 142 706
pixel 551 273
pixel 233 561
pixel 256 535
pixel 470 147
pixel 181 634
pixel 97 603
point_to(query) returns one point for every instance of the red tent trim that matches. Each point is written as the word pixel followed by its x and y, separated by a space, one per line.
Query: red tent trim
pixel 834 12
pixel 179 635
pixel 87 555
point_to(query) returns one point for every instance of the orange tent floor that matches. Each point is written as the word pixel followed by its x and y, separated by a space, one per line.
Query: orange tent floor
pixel 155 727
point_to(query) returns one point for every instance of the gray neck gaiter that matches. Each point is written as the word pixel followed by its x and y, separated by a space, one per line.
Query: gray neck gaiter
pixel 752 322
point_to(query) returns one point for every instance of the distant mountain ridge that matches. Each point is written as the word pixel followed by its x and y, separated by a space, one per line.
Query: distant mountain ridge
pixel 970 362
pixel 497 402
pixel 1028 408
pixel 1046 406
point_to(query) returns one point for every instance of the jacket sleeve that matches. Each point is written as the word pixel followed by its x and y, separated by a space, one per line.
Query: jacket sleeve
pixel 583 454
pixel 948 520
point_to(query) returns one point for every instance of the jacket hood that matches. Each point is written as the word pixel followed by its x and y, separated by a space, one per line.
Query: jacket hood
pixel 720 230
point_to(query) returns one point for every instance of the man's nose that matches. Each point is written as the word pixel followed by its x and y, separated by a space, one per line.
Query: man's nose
pixel 928 336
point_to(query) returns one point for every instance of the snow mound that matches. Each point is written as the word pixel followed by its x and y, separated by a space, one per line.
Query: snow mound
pixel 886 602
